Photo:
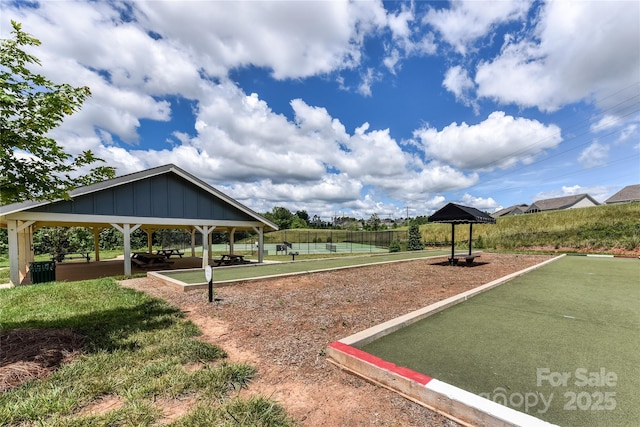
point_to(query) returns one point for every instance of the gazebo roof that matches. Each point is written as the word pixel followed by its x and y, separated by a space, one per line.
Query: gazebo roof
pixel 459 214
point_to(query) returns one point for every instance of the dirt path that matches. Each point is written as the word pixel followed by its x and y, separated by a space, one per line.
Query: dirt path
pixel 282 327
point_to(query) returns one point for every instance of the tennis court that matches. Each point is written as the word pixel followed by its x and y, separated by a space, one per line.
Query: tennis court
pixel 304 248
pixel 560 343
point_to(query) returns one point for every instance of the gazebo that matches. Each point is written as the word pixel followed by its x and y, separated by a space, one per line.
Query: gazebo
pixel 161 197
pixel 459 214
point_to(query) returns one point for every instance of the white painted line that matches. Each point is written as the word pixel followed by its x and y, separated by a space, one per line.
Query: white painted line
pixel 489 407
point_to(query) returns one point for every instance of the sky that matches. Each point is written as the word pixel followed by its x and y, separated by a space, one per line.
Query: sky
pixel 353 108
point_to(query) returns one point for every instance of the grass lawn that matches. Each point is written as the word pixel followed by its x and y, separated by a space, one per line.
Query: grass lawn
pixel 138 351
pixel 251 271
pixel 561 343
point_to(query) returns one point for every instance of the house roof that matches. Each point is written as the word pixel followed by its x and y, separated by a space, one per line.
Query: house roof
pixel 558 203
pixel 161 195
pixel 630 193
pixel 511 210
pixel 459 214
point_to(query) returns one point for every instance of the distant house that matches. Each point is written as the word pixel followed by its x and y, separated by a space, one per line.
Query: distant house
pixel 562 203
pixel 630 193
pixel 511 210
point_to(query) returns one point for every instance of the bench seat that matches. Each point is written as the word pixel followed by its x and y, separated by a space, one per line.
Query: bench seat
pixel 468 258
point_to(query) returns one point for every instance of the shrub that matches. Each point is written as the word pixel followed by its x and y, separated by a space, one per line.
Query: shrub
pixel 395 246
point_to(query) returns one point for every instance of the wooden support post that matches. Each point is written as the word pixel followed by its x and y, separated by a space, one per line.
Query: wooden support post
pixel 260 232
pixel 96 242
pixel 126 231
pixel 205 230
pixel 193 242
pixel 232 234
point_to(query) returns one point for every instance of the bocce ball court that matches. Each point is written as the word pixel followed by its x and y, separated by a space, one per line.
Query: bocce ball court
pixel 557 345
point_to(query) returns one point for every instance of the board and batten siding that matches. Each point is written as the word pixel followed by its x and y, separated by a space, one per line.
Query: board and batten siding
pixel 162 196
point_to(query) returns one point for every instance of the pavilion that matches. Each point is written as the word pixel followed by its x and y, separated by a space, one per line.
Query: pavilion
pixel 157 198
pixel 459 214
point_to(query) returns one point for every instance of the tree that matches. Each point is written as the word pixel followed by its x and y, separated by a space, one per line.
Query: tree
pixel 415 239
pixel 297 222
pixel 281 216
pixel 59 240
pixel 34 165
pixel 419 220
pixel 303 215
pixel 373 223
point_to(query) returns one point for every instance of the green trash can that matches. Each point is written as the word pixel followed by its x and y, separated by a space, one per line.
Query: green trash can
pixel 42 271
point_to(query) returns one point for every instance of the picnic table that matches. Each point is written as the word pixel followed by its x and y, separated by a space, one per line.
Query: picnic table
pixel 71 255
pixel 167 253
pixel 230 259
pixel 149 260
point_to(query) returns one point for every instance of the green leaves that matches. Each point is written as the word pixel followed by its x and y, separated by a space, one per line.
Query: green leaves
pixel 35 166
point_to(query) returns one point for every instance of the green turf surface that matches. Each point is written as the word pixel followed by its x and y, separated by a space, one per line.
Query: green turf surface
pixel 567 333
pixel 254 270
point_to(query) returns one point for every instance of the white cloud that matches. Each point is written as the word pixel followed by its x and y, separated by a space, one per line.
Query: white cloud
pixel 484 204
pixel 466 21
pixel 431 178
pixel 391 60
pixel 367 80
pixel 606 122
pixel 630 131
pixel 594 155
pixel 294 39
pixel 407 39
pixel 457 81
pixel 242 145
pixel 577 50
pixel 500 141
pixel 399 23
pixel 135 59
pixel 598 192
pixel 331 189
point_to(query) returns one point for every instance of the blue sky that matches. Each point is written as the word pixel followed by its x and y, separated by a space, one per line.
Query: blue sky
pixel 354 108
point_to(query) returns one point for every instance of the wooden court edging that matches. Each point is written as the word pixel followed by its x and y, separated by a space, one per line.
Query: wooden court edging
pixel 460 405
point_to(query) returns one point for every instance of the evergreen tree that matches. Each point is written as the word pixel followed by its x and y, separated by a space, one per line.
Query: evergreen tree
pixel 415 239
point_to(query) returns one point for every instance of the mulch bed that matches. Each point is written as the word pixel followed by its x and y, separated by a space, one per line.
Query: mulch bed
pixel 27 354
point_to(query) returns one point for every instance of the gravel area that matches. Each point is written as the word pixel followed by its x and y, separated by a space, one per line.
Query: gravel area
pixel 282 326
